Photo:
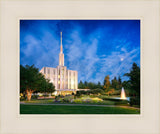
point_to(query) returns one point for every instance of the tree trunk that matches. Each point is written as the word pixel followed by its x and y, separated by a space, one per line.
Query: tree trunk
pixel 29 94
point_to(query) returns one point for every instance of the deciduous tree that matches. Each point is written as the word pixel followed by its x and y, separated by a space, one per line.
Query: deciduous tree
pixel 33 81
pixel 106 83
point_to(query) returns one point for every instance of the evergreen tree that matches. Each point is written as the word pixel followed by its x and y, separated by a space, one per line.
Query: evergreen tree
pixel 86 84
pixel 99 85
pixel 81 85
pixel 134 78
pixel 91 85
pixel 115 83
pixel 119 82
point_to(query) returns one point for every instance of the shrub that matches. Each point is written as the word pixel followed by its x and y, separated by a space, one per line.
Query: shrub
pixel 34 96
pixel 97 91
pixel 67 98
pixel 104 97
pixel 116 92
pixel 77 101
pixel 122 102
pixel 80 93
pixel 22 98
pixel 135 101
pixel 87 99
pixel 46 95
pixel 96 100
pixel 90 92
pixel 59 98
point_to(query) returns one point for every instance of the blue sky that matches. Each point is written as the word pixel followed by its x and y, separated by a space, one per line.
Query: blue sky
pixel 95 48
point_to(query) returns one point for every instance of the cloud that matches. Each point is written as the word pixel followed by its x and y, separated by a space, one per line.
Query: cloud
pixel 83 57
pixel 113 65
pixel 93 53
pixel 42 52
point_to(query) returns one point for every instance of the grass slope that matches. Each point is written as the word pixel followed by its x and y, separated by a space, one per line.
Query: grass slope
pixel 58 109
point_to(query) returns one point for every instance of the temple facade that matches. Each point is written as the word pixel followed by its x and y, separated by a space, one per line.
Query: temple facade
pixel 65 81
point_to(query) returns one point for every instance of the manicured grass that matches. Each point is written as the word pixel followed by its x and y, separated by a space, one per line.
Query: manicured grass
pixel 59 109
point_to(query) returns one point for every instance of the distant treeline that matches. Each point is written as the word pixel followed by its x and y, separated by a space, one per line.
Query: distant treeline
pixel 132 85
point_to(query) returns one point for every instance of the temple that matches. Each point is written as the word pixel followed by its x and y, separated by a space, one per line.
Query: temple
pixel 65 81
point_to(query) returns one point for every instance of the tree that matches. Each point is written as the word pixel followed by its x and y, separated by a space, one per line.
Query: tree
pixel 33 81
pixel 134 78
pixel 91 85
pixel 50 87
pixel 107 86
pixel 81 85
pixel 106 83
pixel 86 84
pixel 99 85
pixel 46 86
pixel 119 82
pixel 126 84
pixel 115 83
pixel 110 91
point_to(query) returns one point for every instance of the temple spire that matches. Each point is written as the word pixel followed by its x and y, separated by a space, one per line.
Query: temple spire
pixel 61 44
pixel 61 55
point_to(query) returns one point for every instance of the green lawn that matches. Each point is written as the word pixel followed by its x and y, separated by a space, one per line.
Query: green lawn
pixel 59 109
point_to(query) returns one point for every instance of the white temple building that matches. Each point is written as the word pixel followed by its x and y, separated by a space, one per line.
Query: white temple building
pixel 65 81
